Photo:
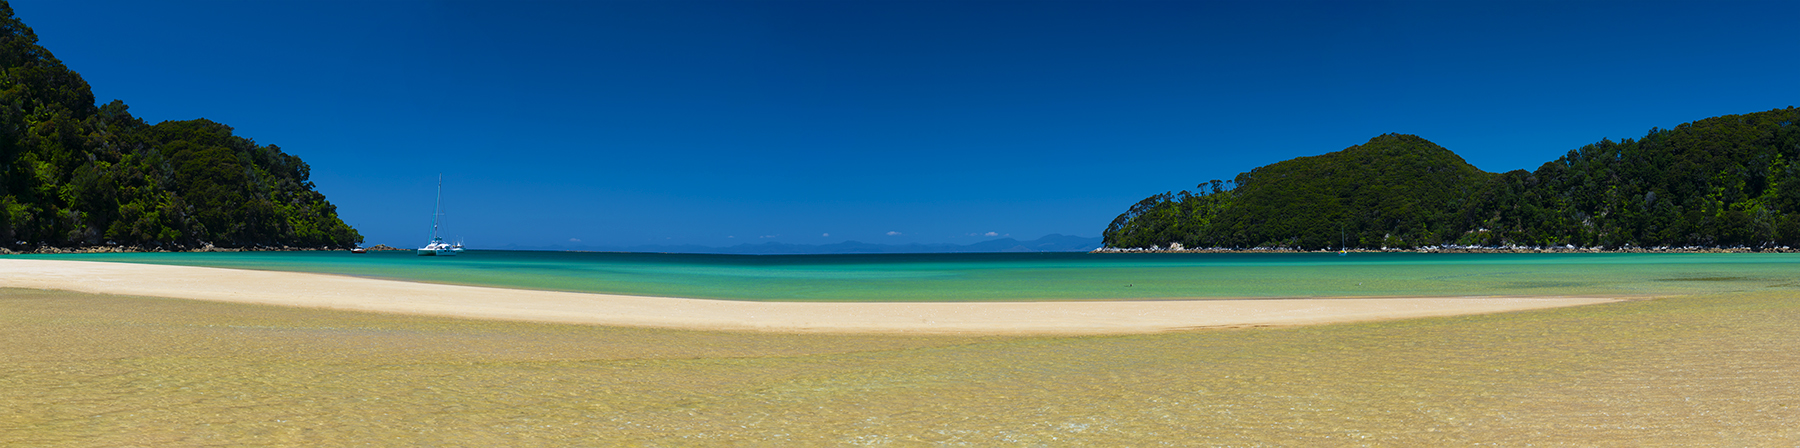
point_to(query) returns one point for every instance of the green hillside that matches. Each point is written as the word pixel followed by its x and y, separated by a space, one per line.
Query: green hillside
pixel 1720 182
pixel 76 174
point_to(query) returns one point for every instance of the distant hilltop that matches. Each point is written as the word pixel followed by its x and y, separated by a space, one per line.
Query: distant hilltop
pixel 1047 243
pixel 77 176
pixel 1723 182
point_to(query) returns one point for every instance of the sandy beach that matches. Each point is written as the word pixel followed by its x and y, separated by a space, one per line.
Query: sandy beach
pixel 84 369
pixel 1057 317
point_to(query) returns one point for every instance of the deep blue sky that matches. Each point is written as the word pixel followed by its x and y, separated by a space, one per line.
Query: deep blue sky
pixel 719 123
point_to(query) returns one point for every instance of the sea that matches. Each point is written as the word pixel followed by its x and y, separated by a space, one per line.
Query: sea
pixel 1035 276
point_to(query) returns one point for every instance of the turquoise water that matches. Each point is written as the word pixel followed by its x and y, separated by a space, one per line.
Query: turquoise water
pixel 1035 276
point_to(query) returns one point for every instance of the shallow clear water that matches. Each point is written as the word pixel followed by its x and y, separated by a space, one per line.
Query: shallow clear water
pixel 1044 276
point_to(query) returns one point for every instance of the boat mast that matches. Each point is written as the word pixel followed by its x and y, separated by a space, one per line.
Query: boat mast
pixel 437 209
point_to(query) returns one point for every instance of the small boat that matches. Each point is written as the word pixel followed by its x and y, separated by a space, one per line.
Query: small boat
pixel 358 250
pixel 438 247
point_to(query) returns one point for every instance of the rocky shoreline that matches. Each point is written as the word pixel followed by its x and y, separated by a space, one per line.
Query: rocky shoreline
pixel 206 248
pixel 1177 249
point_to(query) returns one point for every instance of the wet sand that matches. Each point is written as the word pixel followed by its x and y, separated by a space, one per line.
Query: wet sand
pixel 114 370
pixel 79 369
pixel 965 318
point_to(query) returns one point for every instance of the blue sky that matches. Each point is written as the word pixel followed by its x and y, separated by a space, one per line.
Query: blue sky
pixel 720 123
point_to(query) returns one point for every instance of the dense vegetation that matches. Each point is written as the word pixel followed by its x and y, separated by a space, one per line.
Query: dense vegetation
pixel 1726 181
pixel 76 174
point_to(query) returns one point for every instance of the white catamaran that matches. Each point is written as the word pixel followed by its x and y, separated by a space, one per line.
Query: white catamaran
pixel 438 247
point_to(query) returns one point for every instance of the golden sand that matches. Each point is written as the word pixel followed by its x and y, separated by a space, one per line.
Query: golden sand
pixel 81 369
pixel 105 370
pixel 1064 317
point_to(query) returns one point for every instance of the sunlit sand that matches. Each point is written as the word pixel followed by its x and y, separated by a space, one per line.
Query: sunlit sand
pixel 1060 317
pixel 111 370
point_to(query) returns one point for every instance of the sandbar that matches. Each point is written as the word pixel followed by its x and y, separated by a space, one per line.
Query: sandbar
pixel 300 289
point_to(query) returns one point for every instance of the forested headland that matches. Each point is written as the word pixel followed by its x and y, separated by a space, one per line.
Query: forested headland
pixel 1721 182
pixel 77 174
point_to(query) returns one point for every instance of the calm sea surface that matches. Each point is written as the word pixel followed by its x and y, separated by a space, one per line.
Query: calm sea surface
pixel 1039 276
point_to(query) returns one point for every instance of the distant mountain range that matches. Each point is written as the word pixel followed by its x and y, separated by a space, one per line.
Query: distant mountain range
pixel 1048 243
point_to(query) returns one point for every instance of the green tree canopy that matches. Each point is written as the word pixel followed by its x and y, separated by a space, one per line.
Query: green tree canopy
pixel 76 174
pixel 1722 181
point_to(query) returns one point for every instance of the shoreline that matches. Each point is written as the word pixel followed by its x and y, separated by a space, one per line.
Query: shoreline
pixel 114 249
pixel 135 250
pixel 1456 250
pixel 296 289
pixel 1101 250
